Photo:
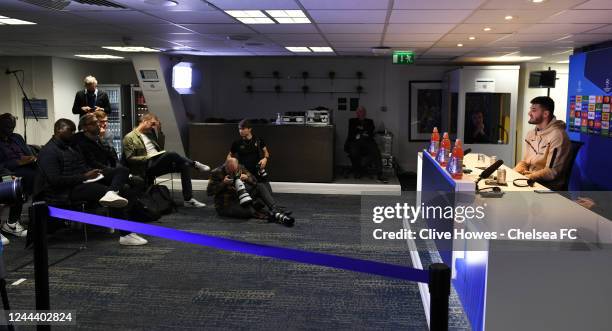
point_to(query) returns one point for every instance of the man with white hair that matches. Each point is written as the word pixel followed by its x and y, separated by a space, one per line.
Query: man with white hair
pixel 91 99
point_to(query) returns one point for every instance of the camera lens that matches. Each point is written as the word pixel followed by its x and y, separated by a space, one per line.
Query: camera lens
pixel 11 191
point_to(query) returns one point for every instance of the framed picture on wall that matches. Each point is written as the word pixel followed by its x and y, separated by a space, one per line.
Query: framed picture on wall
pixel 425 113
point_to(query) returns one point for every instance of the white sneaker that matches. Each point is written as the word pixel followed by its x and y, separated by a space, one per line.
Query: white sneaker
pixel 112 199
pixel 16 229
pixel 201 167
pixel 5 240
pixel 132 239
pixel 194 203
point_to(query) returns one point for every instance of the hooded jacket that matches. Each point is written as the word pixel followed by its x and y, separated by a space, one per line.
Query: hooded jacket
pixel 546 154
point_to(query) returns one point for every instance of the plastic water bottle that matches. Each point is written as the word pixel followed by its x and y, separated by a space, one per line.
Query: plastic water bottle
pixel 278 119
pixel 455 165
pixel 443 153
pixel 434 144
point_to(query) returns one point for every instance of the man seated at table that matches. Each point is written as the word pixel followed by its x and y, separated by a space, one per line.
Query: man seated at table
pixel 253 200
pixel 547 145
pixel 143 149
pixel 67 178
pixel 361 146
pixel 17 158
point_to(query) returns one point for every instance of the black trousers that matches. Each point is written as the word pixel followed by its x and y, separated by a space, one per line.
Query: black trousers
pixel 363 152
pixel 235 210
pixel 114 180
pixel 172 162
pixel 27 174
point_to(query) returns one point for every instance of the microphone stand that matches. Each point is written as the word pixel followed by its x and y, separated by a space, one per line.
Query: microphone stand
pixel 25 97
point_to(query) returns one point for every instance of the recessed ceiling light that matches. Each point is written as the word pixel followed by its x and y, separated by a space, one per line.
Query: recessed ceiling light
pixel 13 21
pixel 508 17
pixel 250 16
pixel 321 49
pixel 472 38
pixel 459 45
pixel 289 16
pixel 537 1
pixel 298 49
pixel 487 29
pixel 565 61
pixel 165 3
pixel 98 56
pixel 131 49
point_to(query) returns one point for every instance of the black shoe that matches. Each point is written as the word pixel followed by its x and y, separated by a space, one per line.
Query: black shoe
pixel 382 179
pixel 282 218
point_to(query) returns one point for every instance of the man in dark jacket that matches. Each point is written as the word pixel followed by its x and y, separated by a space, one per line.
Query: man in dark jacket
pixel 68 178
pixel 17 158
pixel 91 99
pixel 360 144
pixel 222 185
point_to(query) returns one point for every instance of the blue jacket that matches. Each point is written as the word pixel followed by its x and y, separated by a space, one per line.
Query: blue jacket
pixel 12 164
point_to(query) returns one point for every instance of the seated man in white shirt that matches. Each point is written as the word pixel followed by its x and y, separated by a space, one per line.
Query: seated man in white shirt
pixel 144 152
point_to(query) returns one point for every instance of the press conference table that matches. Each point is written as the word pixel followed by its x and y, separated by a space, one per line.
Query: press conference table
pixel 508 284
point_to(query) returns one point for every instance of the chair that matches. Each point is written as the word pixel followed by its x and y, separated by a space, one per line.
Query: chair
pixel 567 169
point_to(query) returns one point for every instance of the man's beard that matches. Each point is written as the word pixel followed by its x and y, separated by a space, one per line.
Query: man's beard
pixel 535 121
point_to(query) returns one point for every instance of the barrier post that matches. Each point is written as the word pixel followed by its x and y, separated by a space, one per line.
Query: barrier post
pixel 39 213
pixel 439 293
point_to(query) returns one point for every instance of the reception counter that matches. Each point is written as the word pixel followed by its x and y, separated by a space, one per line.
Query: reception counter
pixel 298 153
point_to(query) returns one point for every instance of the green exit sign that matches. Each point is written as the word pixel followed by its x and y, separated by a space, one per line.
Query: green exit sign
pixel 403 57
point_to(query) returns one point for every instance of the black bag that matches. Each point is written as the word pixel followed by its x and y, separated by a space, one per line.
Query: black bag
pixel 163 199
pixel 144 209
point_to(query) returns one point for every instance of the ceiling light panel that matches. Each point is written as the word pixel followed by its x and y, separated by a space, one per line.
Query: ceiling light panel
pixel 289 16
pixel 298 49
pixel 131 49
pixel 321 49
pixel 250 16
pixel 98 56
pixel 13 21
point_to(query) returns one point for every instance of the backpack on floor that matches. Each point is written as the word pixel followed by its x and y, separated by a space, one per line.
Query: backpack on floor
pixel 163 199
pixel 144 209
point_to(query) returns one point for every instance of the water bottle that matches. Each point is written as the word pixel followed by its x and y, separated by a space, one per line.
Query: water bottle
pixel 443 153
pixel 434 143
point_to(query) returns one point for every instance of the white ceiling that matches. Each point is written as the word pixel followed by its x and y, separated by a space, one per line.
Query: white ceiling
pixel 431 28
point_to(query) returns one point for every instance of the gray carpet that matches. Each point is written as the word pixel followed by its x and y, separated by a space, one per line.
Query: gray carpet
pixel 172 285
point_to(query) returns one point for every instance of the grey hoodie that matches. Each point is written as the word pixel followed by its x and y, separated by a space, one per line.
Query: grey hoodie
pixel 546 154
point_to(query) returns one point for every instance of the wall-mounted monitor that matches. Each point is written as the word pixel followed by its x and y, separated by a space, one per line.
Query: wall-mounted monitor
pixel 542 79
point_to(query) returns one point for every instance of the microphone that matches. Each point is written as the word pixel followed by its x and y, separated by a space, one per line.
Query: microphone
pixel 467 151
pixel 491 169
pixel 8 71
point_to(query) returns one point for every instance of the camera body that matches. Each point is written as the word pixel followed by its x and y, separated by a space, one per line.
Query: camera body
pixel 244 198
pixel 263 174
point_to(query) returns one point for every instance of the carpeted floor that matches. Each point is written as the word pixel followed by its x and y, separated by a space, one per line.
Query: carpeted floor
pixel 172 285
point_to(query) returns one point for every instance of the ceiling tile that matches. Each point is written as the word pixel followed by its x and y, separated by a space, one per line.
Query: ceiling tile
pixel 372 37
pixel 188 16
pixel 119 17
pixel 605 29
pixel 290 37
pixel 559 28
pixel 437 4
pixel 528 5
pixel 428 16
pixel 348 16
pixel 393 37
pixel 351 28
pixel 596 4
pixel 356 44
pixel 255 4
pixel 419 28
pixel 495 28
pixel 195 5
pixel 219 28
pixel 581 16
pixel 284 28
pixel 480 38
pixel 520 16
pixel 542 37
pixel 344 4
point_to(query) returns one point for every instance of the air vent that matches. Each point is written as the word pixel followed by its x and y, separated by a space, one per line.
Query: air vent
pixel 102 3
pixel 49 4
pixel 61 4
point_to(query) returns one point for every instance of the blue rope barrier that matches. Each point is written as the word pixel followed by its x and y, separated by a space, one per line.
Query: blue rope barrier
pixel 290 254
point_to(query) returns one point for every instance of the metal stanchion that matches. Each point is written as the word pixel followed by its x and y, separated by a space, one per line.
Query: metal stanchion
pixel 39 214
pixel 439 293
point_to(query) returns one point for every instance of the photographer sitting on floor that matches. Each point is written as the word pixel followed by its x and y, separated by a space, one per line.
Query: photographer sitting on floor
pixel 238 194
pixel 68 178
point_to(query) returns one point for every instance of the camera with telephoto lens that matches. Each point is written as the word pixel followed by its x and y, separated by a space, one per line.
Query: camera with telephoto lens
pixel 243 195
pixel 282 218
pixel 263 174
pixel 11 190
